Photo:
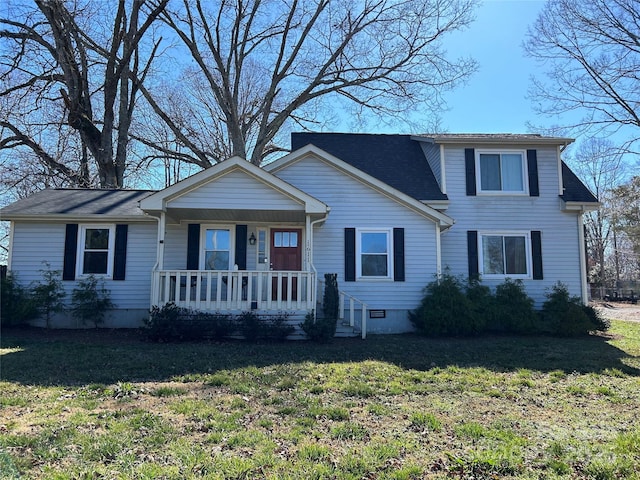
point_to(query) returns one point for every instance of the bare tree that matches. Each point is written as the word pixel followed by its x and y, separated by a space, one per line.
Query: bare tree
pixel 63 62
pixel 591 50
pixel 600 164
pixel 261 65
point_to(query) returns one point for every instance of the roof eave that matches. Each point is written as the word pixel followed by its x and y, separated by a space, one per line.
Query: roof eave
pixel 48 217
pixel 573 206
pixel 483 140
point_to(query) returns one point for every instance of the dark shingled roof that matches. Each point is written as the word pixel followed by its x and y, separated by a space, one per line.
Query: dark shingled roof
pixel 78 202
pixel 574 189
pixel 396 160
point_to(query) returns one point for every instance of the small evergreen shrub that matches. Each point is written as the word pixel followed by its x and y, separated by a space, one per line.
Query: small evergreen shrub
pixel 90 301
pixel 250 326
pixel 445 309
pixel 16 305
pixel 566 316
pixel 277 327
pixel 48 293
pixel 483 304
pixel 514 311
pixel 162 323
pixel 318 329
pixel 602 324
pixel 216 325
pixel 331 297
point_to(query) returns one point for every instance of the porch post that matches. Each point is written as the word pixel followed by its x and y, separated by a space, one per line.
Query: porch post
pixel 161 230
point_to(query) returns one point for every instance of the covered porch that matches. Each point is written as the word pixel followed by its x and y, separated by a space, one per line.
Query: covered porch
pixel 235 238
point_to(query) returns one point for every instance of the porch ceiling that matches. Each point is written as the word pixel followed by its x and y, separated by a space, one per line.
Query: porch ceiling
pixel 175 215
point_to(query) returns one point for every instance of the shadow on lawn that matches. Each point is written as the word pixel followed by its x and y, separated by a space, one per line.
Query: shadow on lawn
pixel 63 357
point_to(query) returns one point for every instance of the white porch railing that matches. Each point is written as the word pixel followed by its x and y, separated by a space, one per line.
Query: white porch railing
pixel 234 290
pixel 344 300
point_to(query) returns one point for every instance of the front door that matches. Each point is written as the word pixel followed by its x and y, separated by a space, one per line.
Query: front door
pixel 286 254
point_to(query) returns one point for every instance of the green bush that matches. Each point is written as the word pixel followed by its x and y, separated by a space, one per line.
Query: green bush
pixel 16 305
pixel 173 323
pixel 48 293
pixel 514 311
pixel 445 309
pixel 318 329
pixel 483 304
pixel 566 316
pixel 162 323
pixel 250 326
pixel 277 327
pixel 90 302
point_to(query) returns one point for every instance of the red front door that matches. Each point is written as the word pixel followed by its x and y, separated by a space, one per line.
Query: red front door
pixel 286 254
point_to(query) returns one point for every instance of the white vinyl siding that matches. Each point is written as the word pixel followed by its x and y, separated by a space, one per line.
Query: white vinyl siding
pixel 355 205
pixel 133 293
pixel 560 245
pixel 235 190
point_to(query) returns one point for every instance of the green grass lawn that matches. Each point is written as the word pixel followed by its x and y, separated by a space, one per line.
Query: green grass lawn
pixel 108 405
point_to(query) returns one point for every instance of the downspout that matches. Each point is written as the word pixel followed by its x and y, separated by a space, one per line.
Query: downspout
pixel 584 293
pixel 12 224
pixel 438 251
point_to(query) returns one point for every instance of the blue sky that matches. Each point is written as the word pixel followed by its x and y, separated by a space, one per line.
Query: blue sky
pixel 494 101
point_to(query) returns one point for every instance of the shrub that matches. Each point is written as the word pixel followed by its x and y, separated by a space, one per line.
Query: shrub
pixel 445 309
pixel 602 324
pixel 278 328
pixel 250 326
pixel 514 308
pixel 216 325
pixel 318 329
pixel 48 294
pixel 90 302
pixel 162 323
pixel 483 304
pixel 16 306
pixel 565 316
pixel 331 297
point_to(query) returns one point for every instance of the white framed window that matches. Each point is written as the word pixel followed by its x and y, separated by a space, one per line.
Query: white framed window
pixel 374 253
pixel 216 251
pixel 95 250
pixel 501 171
pixel 504 254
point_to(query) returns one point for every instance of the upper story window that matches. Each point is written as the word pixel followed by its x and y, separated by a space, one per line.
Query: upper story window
pixel 501 172
pixel 504 254
pixel 95 252
pixel 373 253
pixel 217 248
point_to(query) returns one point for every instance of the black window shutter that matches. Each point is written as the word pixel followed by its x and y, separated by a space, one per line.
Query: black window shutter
pixel 120 253
pixel 241 247
pixel 472 250
pixel 349 254
pixel 470 170
pixel 536 254
pixel 398 254
pixel 532 166
pixel 70 251
pixel 193 246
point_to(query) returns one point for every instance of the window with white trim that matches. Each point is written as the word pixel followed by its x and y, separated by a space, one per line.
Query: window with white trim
pixel 374 253
pixel 501 171
pixel 95 250
pixel 505 254
pixel 216 252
